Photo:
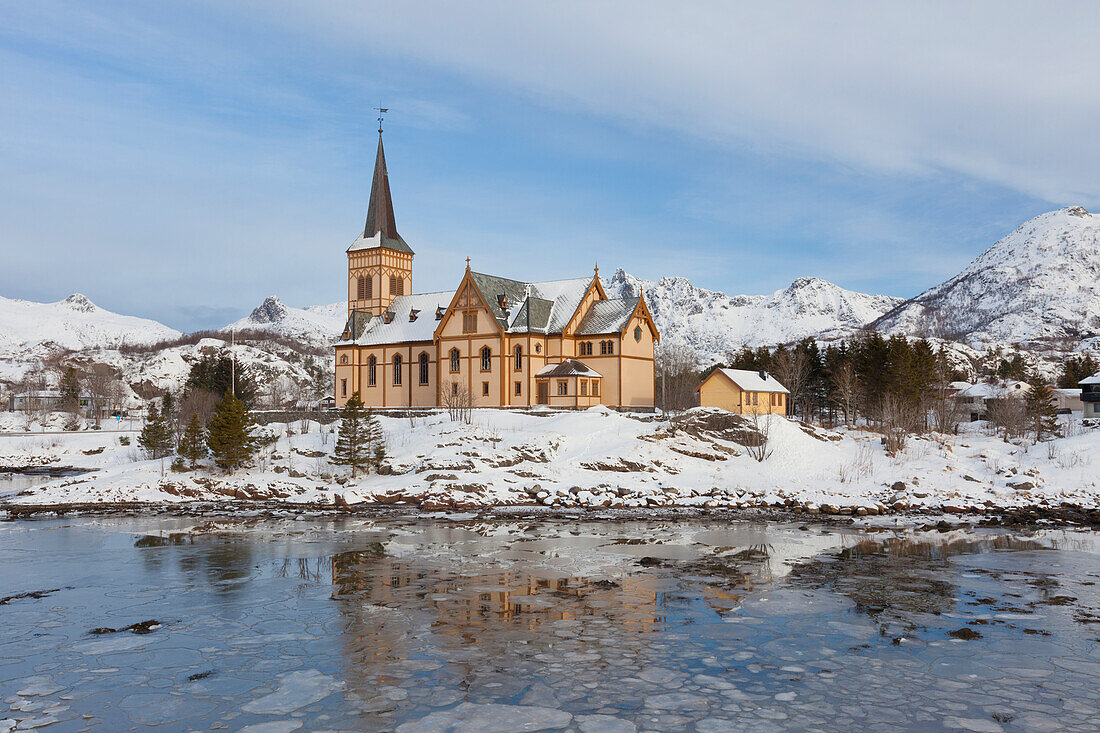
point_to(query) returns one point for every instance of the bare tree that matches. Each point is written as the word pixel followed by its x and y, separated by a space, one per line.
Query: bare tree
pixel 761 421
pixel 899 419
pixel 104 390
pixel 456 398
pixel 281 390
pixel 677 373
pixel 198 402
pixel 1007 416
pixel 845 395
pixel 792 368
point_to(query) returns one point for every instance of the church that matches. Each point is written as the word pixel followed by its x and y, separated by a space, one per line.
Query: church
pixel 492 341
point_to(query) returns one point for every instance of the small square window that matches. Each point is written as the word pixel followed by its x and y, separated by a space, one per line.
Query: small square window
pixel 485 388
pixel 563 388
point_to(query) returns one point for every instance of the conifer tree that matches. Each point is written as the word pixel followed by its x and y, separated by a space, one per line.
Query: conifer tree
pixel 1042 411
pixel 352 446
pixel 156 434
pixel 229 433
pixel 192 445
pixel 376 440
pixel 70 390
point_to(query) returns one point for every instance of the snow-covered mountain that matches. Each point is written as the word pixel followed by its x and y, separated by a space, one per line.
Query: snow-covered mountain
pixel 713 323
pixel 74 323
pixel 1039 283
pixel 316 325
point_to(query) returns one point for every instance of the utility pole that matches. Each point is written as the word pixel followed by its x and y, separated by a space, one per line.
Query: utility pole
pixel 233 360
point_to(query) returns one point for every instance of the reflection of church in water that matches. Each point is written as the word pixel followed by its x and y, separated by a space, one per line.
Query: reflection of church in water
pixel 504 598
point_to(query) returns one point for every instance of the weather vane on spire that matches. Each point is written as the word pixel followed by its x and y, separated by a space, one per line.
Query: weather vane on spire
pixel 381 113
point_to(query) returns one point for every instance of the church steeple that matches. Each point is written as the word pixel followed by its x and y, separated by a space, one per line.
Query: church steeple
pixel 379 261
pixel 380 218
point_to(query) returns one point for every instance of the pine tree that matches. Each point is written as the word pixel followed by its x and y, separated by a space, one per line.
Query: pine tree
pixel 167 416
pixel 156 434
pixel 192 445
pixel 70 390
pixel 353 444
pixel 376 440
pixel 229 433
pixel 1042 411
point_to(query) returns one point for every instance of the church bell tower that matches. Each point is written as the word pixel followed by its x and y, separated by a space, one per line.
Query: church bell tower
pixel 379 260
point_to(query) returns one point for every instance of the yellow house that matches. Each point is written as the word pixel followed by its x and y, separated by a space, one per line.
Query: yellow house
pixel 501 342
pixel 743 391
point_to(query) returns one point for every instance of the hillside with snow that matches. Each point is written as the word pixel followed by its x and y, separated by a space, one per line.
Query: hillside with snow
pixel 713 323
pixel 1038 284
pixel 315 325
pixel 74 323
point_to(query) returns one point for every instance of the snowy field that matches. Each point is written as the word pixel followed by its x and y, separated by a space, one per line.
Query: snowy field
pixel 596 458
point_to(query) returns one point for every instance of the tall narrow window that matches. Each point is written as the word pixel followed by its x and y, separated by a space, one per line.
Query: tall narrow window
pixel 362 288
pixel 372 371
pixel 456 361
pixel 396 370
pixel 519 360
pixel 584 388
pixel 563 388
pixel 519 388
pixel 485 388
pixel 595 388
pixel 424 367
pixel 370 286
pixel 469 322
pixel 611 347
pixel 400 286
pixel 486 359
pixel 393 285
pixel 343 388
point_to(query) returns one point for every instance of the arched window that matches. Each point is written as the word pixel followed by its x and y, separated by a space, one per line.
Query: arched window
pixel 361 289
pixel 396 369
pixel 456 362
pixel 486 359
pixel 343 358
pixel 586 348
pixel 519 359
pixel 393 285
pixel 372 371
pixel 400 286
pixel 423 367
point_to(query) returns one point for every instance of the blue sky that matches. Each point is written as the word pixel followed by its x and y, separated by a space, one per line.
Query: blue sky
pixel 182 161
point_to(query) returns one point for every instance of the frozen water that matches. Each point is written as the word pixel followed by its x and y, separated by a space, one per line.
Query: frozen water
pixel 295 690
pixel 489 718
pixel 466 622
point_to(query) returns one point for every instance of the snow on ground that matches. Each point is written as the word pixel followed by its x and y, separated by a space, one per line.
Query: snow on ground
pixel 595 458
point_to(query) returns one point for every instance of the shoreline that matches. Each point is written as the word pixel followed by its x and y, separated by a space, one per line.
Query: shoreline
pixel 1066 515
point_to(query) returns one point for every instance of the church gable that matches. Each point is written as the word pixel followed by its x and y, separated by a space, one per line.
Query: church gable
pixel 468 313
pixel 594 294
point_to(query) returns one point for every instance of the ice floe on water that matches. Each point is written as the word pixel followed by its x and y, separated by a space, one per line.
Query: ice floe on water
pixel 475 623
pixel 295 690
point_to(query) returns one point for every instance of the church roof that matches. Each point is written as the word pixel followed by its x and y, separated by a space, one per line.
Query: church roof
pixel 412 319
pixel 568 368
pixel 542 307
pixel 381 227
pixel 607 316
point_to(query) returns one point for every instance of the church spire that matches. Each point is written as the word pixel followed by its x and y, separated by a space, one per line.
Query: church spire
pixel 380 211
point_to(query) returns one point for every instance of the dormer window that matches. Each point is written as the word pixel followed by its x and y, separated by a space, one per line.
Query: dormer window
pixel 439 313
pixel 502 301
pixel 387 317
pixel 413 313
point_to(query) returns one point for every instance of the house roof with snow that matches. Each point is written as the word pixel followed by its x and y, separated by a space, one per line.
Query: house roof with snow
pixel 568 368
pixel 607 316
pixel 750 381
pixel 990 390
pixel 1094 379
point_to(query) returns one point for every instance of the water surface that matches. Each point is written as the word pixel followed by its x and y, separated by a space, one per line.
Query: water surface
pixel 460 623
